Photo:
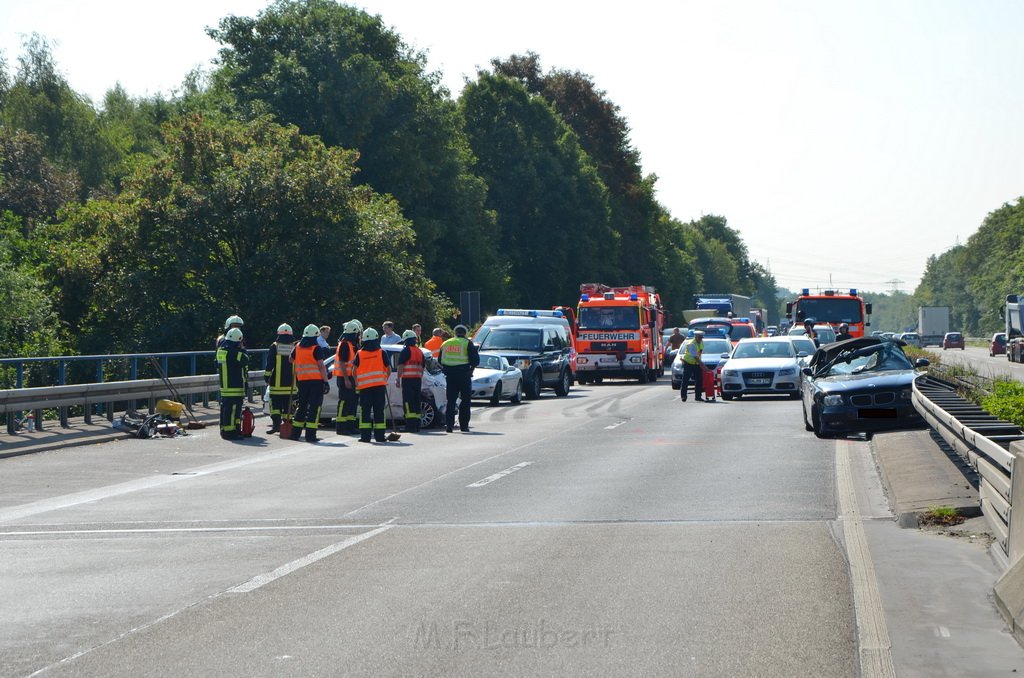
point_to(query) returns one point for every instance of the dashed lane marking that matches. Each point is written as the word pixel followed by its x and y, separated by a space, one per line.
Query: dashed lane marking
pixel 500 474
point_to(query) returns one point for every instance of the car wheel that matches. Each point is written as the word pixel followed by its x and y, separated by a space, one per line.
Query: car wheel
pixel 582 381
pixel 794 396
pixel 562 387
pixel 726 396
pixel 428 414
pixel 675 386
pixel 496 397
pixel 816 425
pixel 517 397
pixel 533 389
pixel 643 376
pixel 598 380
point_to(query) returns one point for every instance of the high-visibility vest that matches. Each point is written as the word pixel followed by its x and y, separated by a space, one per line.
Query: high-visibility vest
pixel 371 371
pixel 306 367
pixel 434 345
pixel 344 368
pixel 455 352
pixel 413 367
pixel 691 351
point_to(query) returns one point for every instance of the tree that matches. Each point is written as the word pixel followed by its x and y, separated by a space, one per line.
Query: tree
pixel 339 73
pixel 31 186
pixel 248 218
pixel 552 206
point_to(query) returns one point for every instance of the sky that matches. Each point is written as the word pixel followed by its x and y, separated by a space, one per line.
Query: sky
pixel 846 141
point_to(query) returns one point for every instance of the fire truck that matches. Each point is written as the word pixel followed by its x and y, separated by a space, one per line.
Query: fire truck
pixel 831 307
pixel 619 333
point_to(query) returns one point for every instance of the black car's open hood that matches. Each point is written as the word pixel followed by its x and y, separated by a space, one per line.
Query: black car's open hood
pixel 827 353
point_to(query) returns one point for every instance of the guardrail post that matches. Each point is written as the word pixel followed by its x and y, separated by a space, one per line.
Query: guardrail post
pixel 189 399
pixel 62 378
pixel 1015 545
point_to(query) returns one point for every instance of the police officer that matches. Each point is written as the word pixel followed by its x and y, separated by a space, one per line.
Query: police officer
pixel 280 376
pixel 345 422
pixel 691 351
pixel 308 361
pixel 410 378
pixel 233 360
pixel 844 332
pixel 458 358
pixel 809 331
pixel 371 373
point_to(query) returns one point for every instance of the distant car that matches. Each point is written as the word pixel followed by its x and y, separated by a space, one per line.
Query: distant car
pixel 997 345
pixel 761 365
pixel 911 339
pixel 714 348
pixel 860 385
pixel 433 391
pixel 495 379
pixel 771 331
pixel 953 340
pixel 826 334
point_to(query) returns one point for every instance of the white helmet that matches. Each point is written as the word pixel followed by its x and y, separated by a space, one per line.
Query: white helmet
pixel 370 334
pixel 358 325
pixel 284 328
pixel 233 320
pixel 351 327
pixel 408 334
pixel 311 331
pixel 234 334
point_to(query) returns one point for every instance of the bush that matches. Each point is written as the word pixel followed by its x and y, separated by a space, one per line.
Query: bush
pixel 1006 401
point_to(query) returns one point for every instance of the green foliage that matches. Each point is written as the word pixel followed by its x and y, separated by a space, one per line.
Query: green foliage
pixel 1006 401
pixel 31 186
pixel 339 73
pixel 247 218
pixel 892 312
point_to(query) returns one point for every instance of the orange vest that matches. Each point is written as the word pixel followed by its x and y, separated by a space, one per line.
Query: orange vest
pixel 370 371
pixel 344 369
pixel 306 367
pixel 433 345
pixel 413 367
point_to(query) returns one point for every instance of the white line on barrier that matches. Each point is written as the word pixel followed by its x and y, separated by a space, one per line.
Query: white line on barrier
pixel 500 474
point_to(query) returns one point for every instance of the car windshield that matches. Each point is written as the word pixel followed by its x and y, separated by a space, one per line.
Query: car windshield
pixel 741 332
pixel 501 339
pixel 803 345
pixel 490 362
pixel 829 310
pixel 883 357
pixel 716 347
pixel 764 349
pixel 609 318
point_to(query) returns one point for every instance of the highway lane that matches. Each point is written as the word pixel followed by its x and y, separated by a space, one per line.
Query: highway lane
pixel 613 532
pixel 978 358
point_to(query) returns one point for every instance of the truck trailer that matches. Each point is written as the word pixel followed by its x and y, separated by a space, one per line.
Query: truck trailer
pixel 932 324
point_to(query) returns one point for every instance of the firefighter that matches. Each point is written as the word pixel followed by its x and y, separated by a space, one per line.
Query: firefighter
pixel 231 323
pixel 691 351
pixel 345 423
pixel 280 376
pixel 371 373
pixel 308 360
pixel 233 360
pixel 458 358
pixel 844 332
pixel 434 343
pixel 410 379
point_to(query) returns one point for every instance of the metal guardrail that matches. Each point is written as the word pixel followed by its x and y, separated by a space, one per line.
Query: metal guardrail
pixel 112 393
pixel 983 441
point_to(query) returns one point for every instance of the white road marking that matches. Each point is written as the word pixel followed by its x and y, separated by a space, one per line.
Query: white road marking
pixel 68 500
pixel 942 632
pixel 872 632
pixel 500 474
pixel 615 425
pixel 267 577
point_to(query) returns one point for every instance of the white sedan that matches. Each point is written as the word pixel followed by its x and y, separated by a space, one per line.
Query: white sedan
pixel 761 365
pixel 433 394
pixel 495 379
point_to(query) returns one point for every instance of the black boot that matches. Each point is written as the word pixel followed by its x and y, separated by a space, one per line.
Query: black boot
pixel 275 423
pixel 311 436
pixel 296 433
pixel 339 428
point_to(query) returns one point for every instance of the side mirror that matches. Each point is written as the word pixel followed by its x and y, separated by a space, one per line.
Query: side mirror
pixel 921 362
pixel 724 356
pixel 801 354
pixel 807 371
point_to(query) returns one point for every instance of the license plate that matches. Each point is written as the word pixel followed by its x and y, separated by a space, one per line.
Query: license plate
pixel 886 413
pixel 755 382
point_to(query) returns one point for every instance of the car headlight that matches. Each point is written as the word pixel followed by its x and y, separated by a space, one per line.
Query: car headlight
pixel 832 400
pixel 906 395
pixel 522 363
pixel 729 373
pixel 787 371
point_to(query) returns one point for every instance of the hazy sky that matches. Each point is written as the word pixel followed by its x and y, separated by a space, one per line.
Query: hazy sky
pixel 846 141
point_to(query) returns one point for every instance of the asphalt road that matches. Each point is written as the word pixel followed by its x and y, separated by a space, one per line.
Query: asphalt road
pixel 613 532
pixel 995 366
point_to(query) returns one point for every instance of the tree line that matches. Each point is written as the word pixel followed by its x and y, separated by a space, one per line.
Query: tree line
pixel 319 172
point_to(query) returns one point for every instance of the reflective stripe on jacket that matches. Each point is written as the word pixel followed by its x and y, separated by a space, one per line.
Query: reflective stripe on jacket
pixel 344 368
pixel 306 367
pixel 371 371
pixel 282 379
pixel 413 367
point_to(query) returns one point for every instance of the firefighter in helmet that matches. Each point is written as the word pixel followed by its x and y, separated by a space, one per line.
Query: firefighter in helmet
pixel 371 372
pixel 233 361
pixel 232 322
pixel 280 376
pixel 308 362
pixel 343 369
pixel 410 379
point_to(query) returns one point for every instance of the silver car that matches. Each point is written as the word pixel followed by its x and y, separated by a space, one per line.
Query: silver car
pixel 495 379
pixel 714 348
pixel 761 365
